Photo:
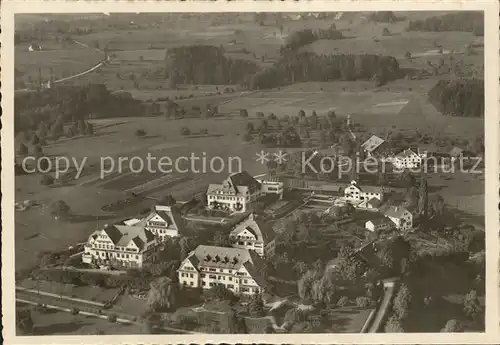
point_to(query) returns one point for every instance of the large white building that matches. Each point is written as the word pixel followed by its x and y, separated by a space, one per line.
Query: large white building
pixel 356 193
pixel 164 222
pixel 409 159
pixel 400 216
pixel 121 246
pixel 253 233
pixel 238 191
pixel 239 270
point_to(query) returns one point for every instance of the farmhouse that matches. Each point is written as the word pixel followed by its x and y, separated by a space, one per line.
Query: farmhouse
pixel 400 216
pixel 379 224
pixel 354 192
pixel 371 204
pixel 238 191
pixel 408 159
pixel 253 233
pixel 34 47
pixel 374 145
pixel 239 270
pixel 120 246
pixel 164 222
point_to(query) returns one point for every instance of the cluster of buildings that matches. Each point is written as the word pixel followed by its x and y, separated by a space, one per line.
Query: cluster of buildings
pixel 385 216
pixel 134 243
pixel 411 158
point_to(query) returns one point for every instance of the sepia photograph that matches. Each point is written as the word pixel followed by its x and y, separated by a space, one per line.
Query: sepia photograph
pixel 265 173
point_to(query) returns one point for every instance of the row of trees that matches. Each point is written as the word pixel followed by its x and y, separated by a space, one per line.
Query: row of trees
pixel 50 109
pixel 309 66
pixel 298 39
pixel 459 21
pixel 459 97
pixel 205 64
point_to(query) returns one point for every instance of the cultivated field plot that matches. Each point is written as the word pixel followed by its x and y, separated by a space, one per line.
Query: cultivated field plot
pixel 61 61
pixel 283 103
pixel 91 293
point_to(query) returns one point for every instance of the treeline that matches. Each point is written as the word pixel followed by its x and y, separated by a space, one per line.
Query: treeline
pixel 204 64
pixel 459 97
pixel 460 21
pixel 383 17
pixel 304 67
pixel 298 39
pixel 53 108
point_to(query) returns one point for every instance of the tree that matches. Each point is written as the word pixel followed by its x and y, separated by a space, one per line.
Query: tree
pixel 235 324
pixel 402 302
pixel 386 32
pixel 453 326
pixel 343 301
pixel 22 149
pixel 185 131
pixel 362 301
pixel 221 293
pixel 168 200
pixel 393 325
pixel 185 247
pixel 59 209
pixel 24 321
pixel 472 307
pixel 423 200
pixel 408 55
pixel 140 133
pixel 221 240
pixel 256 306
pixel 162 294
pixel 250 127
pixel 243 113
pixel 47 180
pixel 37 150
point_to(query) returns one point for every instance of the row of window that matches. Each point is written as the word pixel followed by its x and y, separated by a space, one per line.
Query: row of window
pixel 111 247
pixel 190 275
pixel 117 255
pixel 228 198
pixel 157 231
pixel 160 224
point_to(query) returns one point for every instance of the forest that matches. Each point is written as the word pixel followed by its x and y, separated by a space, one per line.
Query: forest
pixel 59 105
pixel 298 39
pixel 460 21
pixel 308 66
pixel 459 97
pixel 204 64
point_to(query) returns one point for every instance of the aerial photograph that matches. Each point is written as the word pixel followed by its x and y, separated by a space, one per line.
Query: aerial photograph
pixel 249 173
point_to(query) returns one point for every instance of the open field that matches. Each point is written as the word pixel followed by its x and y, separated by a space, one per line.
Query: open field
pixel 62 323
pixel 118 140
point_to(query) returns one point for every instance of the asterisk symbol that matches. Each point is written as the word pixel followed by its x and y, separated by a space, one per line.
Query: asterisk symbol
pixel 262 157
pixel 280 157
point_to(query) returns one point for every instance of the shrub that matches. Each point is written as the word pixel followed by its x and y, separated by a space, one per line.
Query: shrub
pixel 47 180
pixel 112 318
pixel 362 302
pixel 185 131
pixel 343 301
pixel 140 133
pixel 75 311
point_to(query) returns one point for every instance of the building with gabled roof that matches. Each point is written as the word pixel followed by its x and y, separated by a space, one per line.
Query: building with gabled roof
pixel 408 159
pixel 373 144
pixel 357 193
pixel 379 224
pixel 253 233
pixel 164 222
pixel 239 270
pixel 238 191
pixel 120 245
pixel 399 215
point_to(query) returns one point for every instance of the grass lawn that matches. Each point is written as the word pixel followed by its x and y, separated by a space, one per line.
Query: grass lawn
pixel 91 293
pixel 54 322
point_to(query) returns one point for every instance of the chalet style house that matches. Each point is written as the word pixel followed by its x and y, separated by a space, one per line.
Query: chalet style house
pixel 120 246
pixel 254 234
pixel 164 222
pixel 238 191
pixel 409 159
pixel 239 270
pixel 399 215
pixel 356 193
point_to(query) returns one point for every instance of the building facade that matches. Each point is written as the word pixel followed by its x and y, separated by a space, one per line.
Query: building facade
pixel 379 224
pixel 121 246
pixel 409 159
pixel 239 270
pixel 164 222
pixel 356 193
pixel 254 234
pixel 238 191
pixel 400 216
